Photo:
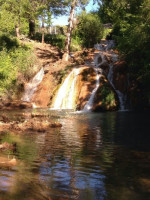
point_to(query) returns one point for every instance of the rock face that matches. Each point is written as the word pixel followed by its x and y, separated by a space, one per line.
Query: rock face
pixel 75 90
pixel 82 80
pixel 120 78
pixel 51 80
pixel 105 98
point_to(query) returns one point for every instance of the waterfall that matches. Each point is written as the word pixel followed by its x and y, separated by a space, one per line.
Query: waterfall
pixel 105 46
pixel 31 87
pixel 122 97
pixel 89 105
pixel 65 96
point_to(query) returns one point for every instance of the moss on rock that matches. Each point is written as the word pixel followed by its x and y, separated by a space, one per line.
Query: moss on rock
pixel 105 98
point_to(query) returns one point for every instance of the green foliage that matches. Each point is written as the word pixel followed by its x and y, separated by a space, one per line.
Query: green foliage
pixel 106 97
pixel 106 32
pixel 131 28
pixel 89 29
pixel 58 40
pixel 15 60
pixel 55 40
pixel 7 71
pixel 7 42
pixel 12 13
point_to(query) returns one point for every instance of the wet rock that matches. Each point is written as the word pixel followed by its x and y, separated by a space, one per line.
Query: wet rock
pixel 4 127
pixel 17 105
pixel 4 118
pixel 5 162
pixel 7 146
pixel 56 125
pixel 34 125
pixel 105 98
pixel 120 66
pixel 120 78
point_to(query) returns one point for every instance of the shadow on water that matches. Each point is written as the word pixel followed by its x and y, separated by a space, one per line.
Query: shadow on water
pixel 104 156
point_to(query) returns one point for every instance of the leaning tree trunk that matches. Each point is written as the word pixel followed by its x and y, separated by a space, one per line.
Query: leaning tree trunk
pixel 69 31
pixel 31 28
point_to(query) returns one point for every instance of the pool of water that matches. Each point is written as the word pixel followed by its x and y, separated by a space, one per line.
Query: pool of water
pixel 93 156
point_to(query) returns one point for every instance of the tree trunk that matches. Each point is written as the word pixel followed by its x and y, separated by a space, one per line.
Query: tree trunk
pixel 43 30
pixel 31 28
pixel 17 26
pixel 17 31
pixel 69 31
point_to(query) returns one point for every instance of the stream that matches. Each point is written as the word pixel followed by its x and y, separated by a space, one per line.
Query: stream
pixel 93 156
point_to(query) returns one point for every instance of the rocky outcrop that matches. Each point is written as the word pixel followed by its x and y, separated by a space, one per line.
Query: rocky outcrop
pixel 32 124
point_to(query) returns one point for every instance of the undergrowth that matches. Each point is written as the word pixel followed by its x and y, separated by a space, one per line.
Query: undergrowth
pixel 17 64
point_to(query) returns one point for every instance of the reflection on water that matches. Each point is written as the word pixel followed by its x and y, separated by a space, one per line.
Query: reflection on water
pixel 102 156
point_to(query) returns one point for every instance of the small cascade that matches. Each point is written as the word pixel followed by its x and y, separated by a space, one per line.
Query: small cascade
pixel 122 97
pixel 89 105
pixel 31 87
pixel 106 46
pixel 65 96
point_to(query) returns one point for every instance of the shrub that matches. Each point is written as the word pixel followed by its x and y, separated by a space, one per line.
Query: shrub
pixel 89 29
pixel 17 64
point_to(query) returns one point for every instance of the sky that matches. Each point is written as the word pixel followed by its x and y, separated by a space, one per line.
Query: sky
pixel 63 20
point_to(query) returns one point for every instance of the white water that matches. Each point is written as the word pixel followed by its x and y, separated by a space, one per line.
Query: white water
pixel 105 46
pixel 65 95
pixel 89 105
pixel 122 97
pixel 31 87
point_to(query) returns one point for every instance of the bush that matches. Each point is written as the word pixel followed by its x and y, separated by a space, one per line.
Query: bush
pixel 89 29
pixel 16 61
pixel 7 42
pixel 58 40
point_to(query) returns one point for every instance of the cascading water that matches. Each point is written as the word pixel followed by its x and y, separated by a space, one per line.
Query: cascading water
pixel 67 93
pixel 122 97
pixel 31 87
pixel 105 46
pixel 65 96
pixel 89 105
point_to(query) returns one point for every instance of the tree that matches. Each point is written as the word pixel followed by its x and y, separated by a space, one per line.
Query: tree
pixel 23 14
pixel 89 29
pixel 74 4
pixel 14 10
pixel 131 30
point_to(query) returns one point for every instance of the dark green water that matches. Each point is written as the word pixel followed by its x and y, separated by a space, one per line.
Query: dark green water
pixel 94 156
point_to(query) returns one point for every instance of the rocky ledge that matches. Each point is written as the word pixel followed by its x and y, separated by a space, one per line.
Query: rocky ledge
pixel 31 124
